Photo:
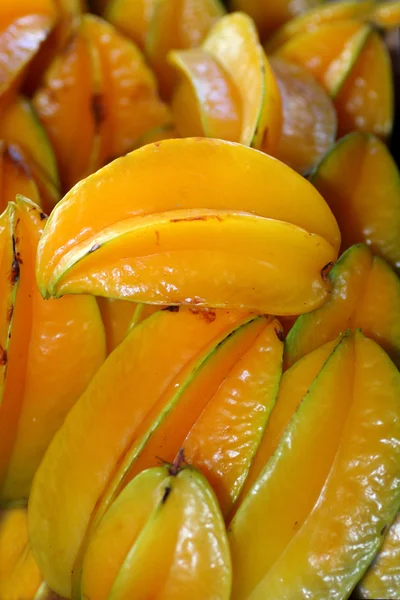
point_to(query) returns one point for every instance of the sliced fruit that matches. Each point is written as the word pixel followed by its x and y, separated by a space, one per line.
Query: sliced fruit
pixel 120 407
pixel 210 95
pixel 319 529
pixel 234 42
pixel 365 295
pixel 366 99
pixel 293 387
pixel 328 51
pixel 23 28
pixel 223 441
pixel 68 96
pixel 131 18
pixel 117 315
pixel 382 580
pixel 177 506
pixel 54 351
pixel 211 165
pixel 361 183
pixel 324 13
pixel 386 14
pixel 270 15
pixel 309 117
pixel 16 177
pixel 129 105
pixel 176 25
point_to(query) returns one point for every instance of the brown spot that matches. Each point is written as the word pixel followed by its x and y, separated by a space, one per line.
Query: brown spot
pixel 94 248
pixel 203 218
pixel 15 271
pixel 98 109
pixel 208 314
pixel 172 308
pixel 264 138
pixel 167 492
pixel 280 334
pixel 43 216
pixel 19 259
pixel 157 237
pixel 157 144
pixel 176 466
pixel 3 356
pixel 326 270
pixel 10 313
pixel 383 530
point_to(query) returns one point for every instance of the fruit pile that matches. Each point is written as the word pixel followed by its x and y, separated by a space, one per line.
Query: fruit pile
pixel 200 300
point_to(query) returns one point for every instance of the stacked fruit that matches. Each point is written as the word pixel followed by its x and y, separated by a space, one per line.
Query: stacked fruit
pixel 199 347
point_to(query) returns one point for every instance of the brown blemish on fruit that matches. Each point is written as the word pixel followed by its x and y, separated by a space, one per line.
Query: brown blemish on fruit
pixel 208 314
pixel 178 463
pixel 98 109
pixel 19 259
pixel 172 308
pixel 326 270
pixel 42 216
pixel 200 218
pixel 10 313
pixel 167 492
pixel 264 138
pixel 3 356
pixel 15 271
pixel 280 334
pixel 157 237
pixel 94 248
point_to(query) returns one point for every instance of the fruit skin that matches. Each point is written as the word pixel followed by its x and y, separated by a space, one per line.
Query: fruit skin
pixel 54 351
pixel 382 580
pixel 173 343
pixel 332 548
pixel 241 172
pixel 167 520
pixel 234 43
pixel 361 183
pixel 365 295
pixel 309 117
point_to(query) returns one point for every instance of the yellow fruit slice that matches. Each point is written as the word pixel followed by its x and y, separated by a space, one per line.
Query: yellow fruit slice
pixel 246 178
pixel 365 295
pixel 309 117
pixel 214 99
pixel 234 42
pixel 65 339
pixel 386 14
pixel 160 504
pixel 304 532
pixel 361 183
pixel 131 18
pixel 115 424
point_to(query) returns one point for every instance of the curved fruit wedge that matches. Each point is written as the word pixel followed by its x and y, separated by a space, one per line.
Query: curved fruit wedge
pixel 386 14
pixel 16 177
pixel 319 529
pixel 270 15
pixel 361 183
pixel 209 94
pixel 54 351
pixel 23 28
pixel 131 18
pixel 20 125
pixel 365 295
pixel 328 51
pixel 130 105
pixel 366 100
pixel 166 259
pixel 294 385
pixel 382 580
pixel 251 181
pixel 324 13
pixel 223 441
pixel 234 42
pixel 176 25
pixel 124 404
pixel 309 117
pixel 148 529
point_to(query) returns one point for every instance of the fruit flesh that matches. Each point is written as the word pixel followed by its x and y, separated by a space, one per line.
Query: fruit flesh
pixel 233 41
pixel 366 99
pixel 344 531
pixel 361 183
pixel 131 18
pixel 365 295
pixel 40 387
pixel 213 93
pixel 172 266
pixel 268 518
pixel 177 507
pixel 168 340
pixel 309 118
pixel 250 181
